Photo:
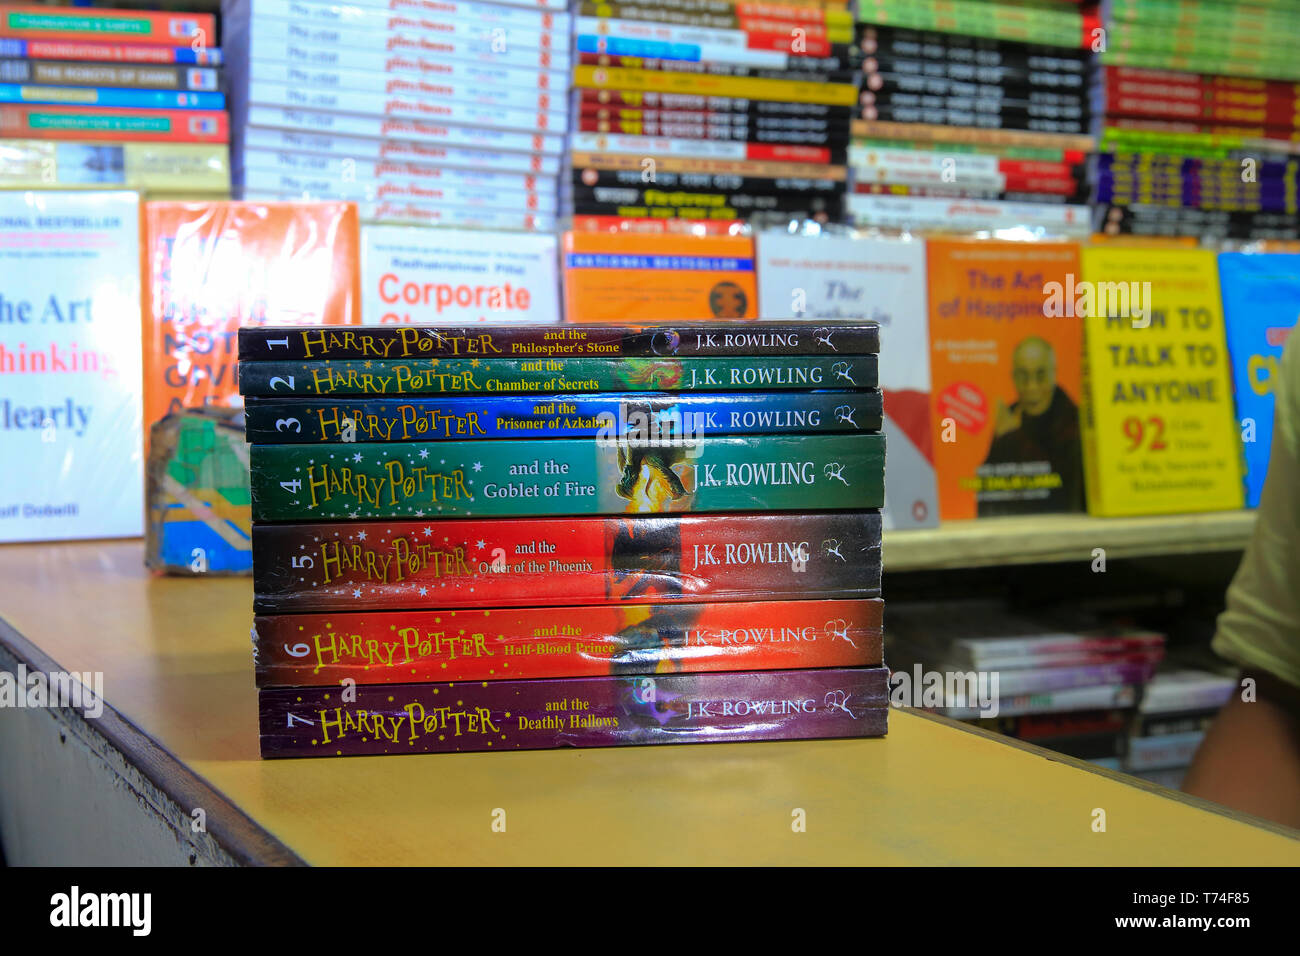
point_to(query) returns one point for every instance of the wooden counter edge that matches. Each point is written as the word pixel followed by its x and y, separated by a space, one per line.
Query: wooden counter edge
pixel 1117 776
pixel 236 832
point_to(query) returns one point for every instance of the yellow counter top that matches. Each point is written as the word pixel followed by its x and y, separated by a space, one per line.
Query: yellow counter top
pixel 177 665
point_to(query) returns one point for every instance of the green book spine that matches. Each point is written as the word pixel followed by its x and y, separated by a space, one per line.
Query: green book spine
pixel 567 477
pixel 544 376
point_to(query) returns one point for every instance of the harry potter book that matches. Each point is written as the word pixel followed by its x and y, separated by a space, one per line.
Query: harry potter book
pixel 711 339
pixel 542 376
pixel 382 647
pixel 639 417
pixel 574 712
pixel 535 562
pixel 567 476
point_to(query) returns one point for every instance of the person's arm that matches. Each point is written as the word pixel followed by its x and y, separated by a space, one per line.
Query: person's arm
pixel 1250 759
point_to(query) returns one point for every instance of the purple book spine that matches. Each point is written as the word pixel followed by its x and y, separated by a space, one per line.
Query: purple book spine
pixel 581 712
pixel 1041 680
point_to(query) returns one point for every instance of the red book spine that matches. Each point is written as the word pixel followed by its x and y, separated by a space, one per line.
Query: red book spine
pixel 296 650
pixel 535 562
pixel 707 227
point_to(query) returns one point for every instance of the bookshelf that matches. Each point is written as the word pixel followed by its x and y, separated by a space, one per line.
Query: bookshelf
pixel 1045 539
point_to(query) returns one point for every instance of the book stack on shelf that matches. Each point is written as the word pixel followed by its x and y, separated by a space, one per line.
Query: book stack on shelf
pixel 974 115
pixel 1213 152
pixel 94 98
pixel 442 113
pixel 1177 709
pixel 514 538
pixel 702 115
pixel 1073 689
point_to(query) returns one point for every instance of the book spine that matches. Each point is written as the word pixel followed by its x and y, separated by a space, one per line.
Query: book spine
pixel 300 650
pixel 257 344
pixel 734 151
pixel 636 417
pixel 541 16
pixel 1046 680
pixel 932 212
pixel 64 73
pixel 385 127
pixel 371 173
pixel 697 206
pixel 108 52
pixel 644 226
pixel 391 188
pixel 834 71
pixel 100 123
pixel 404 106
pixel 396 150
pixel 755 185
pixel 278 18
pixel 174 167
pixel 485 93
pixel 437 214
pixel 575 712
pixel 111 97
pixel 548 476
pixel 742 132
pixel 535 562
pixel 545 375
pixel 478 71
pixel 125 26
pixel 690 165
pixel 381 43
pixel 831 94
pixel 987 137
pixel 585 100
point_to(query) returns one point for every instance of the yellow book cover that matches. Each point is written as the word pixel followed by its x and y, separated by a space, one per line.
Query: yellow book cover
pixel 1159 432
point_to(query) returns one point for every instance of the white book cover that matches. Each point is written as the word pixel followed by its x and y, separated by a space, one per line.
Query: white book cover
pixel 840 277
pixel 457 277
pixel 71 409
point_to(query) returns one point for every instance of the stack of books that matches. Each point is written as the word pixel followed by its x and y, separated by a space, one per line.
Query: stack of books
pixel 1177 709
pixel 423 112
pixel 93 98
pixel 974 116
pixel 1070 688
pixel 506 538
pixel 1198 121
pixel 701 115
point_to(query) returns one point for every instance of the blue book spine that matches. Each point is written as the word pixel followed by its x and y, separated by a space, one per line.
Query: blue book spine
pixel 1261 304
pixel 614 415
pixel 106 96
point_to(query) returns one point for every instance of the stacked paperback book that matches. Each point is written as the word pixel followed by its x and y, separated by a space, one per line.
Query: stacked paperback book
pixel 508 538
pixel 1214 151
pixel 92 98
pixel 973 117
pixel 702 115
pixel 424 112
pixel 1071 689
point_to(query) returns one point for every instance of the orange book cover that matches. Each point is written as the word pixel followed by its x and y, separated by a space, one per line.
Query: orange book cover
pixel 637 277
pixel 1006 375
pixel 210 267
